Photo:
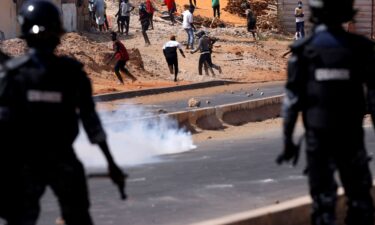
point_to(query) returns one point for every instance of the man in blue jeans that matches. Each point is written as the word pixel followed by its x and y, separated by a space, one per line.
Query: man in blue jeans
pixel 188 26
pixel 300 21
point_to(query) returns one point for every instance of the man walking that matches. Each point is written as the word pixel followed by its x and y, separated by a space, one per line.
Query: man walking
pixel 170 53
pixel 300 21
pixel 45 96
pixel 122 56
pixel 99 5
pixel 124 12
pixel 326 77
pixel 216 8
pixel 144 18
pixel 204 47
pixel 171 5
pixel 188 26
pixel 150 10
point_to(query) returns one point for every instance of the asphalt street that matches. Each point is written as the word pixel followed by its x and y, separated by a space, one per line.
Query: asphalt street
pixel 228 97
pixel 216 179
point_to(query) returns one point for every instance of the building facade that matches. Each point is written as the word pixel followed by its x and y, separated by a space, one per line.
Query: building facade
pixel 364 20
pixel 74 14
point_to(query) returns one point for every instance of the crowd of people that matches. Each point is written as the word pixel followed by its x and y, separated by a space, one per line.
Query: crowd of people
pixel 146 12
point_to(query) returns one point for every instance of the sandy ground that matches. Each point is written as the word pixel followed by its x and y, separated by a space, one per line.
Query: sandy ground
pixel 204 8
pixel 241 58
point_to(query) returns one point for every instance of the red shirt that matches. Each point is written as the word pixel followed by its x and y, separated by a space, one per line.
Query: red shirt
pixel 170 4
pixel 120 51
pixel 150 9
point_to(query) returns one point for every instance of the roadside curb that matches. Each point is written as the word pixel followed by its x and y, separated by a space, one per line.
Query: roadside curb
pixel 215 118
pixel 235 114
pixel 153 91
pixel 293 212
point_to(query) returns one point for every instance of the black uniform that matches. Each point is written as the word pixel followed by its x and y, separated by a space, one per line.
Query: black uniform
pixel 326 77
pixel 10 190
pixel 49 95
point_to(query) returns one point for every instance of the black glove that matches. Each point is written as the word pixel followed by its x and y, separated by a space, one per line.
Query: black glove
pixel 119 178
pixel 290 152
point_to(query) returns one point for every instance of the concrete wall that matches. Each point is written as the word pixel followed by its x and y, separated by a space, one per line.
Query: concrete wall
pixel 364 19
pixel 72 16
pixel 8 21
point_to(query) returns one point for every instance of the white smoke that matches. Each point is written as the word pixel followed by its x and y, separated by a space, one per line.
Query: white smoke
pixel 134 140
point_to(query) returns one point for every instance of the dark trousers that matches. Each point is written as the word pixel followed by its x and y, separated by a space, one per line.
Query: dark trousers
pixel 68 182
pixel 206 58
pixel 300 27
pixel 124 23
pixel 120 66
pixel 171 15
pixel 216 11
pixel 328 152
pixel 152 20
pixel 173 66
pixel 145 24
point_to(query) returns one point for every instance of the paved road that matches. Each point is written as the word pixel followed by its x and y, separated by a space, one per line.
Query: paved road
pixel 268 90
pixel 218 178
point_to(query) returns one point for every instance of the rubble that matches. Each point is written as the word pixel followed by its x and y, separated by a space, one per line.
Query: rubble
pixel 209 22
pixel 265 10
pixel 87 49
pixel 193 102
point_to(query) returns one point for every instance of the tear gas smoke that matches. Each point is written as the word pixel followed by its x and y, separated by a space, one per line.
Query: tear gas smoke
pixel 134 140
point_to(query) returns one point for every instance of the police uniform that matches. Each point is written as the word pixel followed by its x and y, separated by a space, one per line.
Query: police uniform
pixel 326 77
pixel 43 97
pixel 49 95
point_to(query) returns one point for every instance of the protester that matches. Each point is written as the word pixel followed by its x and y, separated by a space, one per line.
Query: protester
pixel 300 21
pixel 171 5
pixel 122 56
pixel 124 15
pixel 188 26
pixel 216 7
pixel 170 53
pixel 99 14
pixel 150 10
pixel 92 17
pixel 205 50
pixel 144 18
pixel 251 22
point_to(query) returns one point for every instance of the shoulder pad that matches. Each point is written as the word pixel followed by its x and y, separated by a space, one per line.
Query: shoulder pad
pixel 300 44
pixel 16 62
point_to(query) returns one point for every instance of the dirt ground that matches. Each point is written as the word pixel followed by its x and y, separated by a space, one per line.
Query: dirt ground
pixel 241 58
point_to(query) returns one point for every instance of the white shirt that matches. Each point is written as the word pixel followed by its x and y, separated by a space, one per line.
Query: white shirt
pixel 188 19
pixel 172 44
pixel 125 8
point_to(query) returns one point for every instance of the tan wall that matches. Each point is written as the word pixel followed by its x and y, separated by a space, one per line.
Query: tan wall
pixel 364 19
pixel 8 21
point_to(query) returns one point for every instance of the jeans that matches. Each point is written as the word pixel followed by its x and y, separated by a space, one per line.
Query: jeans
pixel 190 41
pixel 300 28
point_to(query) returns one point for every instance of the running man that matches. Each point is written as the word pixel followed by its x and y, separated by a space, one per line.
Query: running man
pixel 205 48
pixel 122 56
pixel 170 53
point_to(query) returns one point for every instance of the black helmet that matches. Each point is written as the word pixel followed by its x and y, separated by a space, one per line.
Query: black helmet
pixel 331 11
pixel 40 20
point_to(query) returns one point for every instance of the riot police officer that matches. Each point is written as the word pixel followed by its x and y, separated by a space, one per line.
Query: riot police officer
pixel 326 77
pixel 46 96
